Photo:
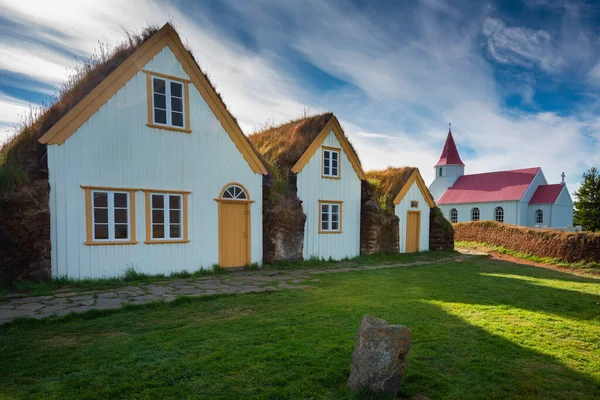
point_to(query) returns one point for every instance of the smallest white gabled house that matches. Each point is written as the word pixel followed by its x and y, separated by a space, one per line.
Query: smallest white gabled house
pixel 413 205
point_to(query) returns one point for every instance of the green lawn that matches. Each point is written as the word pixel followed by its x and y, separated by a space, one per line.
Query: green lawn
pixel 481 330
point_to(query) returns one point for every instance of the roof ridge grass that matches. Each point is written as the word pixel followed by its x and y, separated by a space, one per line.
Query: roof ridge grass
pixel 281 146
pixel 388 182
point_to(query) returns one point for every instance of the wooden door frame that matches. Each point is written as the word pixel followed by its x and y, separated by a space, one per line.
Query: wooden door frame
pixel 248 202
pixel 418 212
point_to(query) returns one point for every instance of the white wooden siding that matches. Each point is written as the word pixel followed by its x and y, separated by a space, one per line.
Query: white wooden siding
pixel 450 173
pixel 524 217
pixel 563 210
pixel 414 193
pixel 115 148
pixel 312 188
pixel 546 209
pixel 486 211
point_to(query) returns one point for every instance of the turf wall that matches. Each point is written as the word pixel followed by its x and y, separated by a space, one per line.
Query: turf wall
pixel 566 246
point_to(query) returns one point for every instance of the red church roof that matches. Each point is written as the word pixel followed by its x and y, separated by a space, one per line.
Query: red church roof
pixel 546 194
pixel 490 186
pixel 449 154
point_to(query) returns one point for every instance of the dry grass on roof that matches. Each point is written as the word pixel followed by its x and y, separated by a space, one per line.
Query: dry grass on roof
pixel 283 145
pixel 22 152
pixel 21 157
pixel 387 183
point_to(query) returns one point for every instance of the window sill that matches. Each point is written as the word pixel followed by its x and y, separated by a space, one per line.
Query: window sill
pixel 330 232
pixel 169 128
pixel 165 241
pixel 130 242
pixel 330 177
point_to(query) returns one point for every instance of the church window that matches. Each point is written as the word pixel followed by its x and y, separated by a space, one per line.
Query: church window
pixel 453 215
pixel 475 214
pixel 441 171
pixel 499 213
pixel 539 217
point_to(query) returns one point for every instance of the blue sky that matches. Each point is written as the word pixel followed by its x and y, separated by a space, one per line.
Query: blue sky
pixel 519 80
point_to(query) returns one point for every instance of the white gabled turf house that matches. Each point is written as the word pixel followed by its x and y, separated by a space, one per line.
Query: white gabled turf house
pixel 151 171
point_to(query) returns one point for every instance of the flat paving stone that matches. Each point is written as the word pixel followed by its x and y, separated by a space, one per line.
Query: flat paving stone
pixel 109 303
pixel 67 294
pixel 208 286
pixel 57 301
pixel 108 295
pixel 82 298
pixel 11 314
pixel 30 300
pixel 30 306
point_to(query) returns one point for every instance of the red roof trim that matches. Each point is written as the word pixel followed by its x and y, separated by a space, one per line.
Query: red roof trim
pixel 449 154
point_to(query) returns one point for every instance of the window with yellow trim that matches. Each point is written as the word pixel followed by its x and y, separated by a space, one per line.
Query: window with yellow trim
pixel 168 101
pixel 166 217
pixel 110 216
pixel 331 163
pixel 331 221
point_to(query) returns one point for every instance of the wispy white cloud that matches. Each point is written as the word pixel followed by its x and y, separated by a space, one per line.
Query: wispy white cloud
pixel 519 45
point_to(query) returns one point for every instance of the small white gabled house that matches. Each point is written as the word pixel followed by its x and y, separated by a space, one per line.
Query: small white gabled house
pixel 404 189
pixel 412 205
pixel 151 171
pixel 328 177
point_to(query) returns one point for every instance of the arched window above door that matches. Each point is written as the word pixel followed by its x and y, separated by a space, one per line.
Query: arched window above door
pixel 234 192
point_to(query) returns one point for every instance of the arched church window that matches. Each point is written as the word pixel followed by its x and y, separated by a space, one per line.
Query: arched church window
pixel 475 214
pixel 499 212
pixel 539 217
pixel 453 215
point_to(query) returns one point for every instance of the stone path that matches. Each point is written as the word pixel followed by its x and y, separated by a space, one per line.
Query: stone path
pixel 66 301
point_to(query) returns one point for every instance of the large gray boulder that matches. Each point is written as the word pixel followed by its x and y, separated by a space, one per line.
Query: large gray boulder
pixel 379 358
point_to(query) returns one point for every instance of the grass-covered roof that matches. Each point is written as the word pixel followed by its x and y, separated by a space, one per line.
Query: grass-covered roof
pixel 282 146
pixel 22 157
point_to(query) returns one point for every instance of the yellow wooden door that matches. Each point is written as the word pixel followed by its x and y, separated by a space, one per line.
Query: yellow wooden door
pixel 234 234
pixel 413 231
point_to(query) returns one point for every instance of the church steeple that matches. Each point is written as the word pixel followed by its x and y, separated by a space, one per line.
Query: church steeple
pixel 448 169
pixel 449 154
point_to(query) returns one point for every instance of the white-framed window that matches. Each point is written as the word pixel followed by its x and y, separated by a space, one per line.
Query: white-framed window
pixel 453 215
pixel 331 163
pixel 166 216
pixel 475 214
pixel 499 214
pixel 111 216
pixel 168 102
pixel 539 216
pixel 331 217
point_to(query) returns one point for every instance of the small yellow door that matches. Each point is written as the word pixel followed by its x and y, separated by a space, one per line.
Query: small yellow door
pixel 234 235
pixel 413 231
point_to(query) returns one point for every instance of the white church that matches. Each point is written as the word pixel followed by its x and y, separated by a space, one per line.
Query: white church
pixel 519 197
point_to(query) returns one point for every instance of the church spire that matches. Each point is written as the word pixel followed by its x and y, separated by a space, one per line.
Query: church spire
pixel 449 154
